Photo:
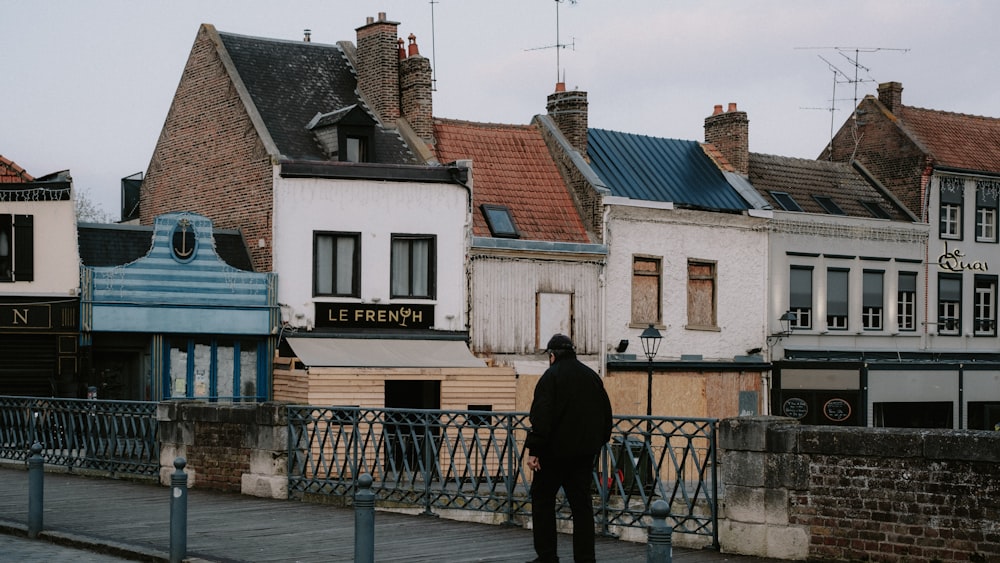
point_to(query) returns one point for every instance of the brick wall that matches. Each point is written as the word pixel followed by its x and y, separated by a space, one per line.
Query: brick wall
pixel 378 66
pixel 569 111
pixel 228 447
pixel 829 493
pixel 729 131
pixel 209 159
pixel 415 84
pixel 586 198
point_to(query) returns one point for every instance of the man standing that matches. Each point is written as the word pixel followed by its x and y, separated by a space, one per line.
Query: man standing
pixel 570 423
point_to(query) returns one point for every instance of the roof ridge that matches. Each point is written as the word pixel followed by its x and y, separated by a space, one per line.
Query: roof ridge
pixel 646 135
pixel 954 113
pixel 482 124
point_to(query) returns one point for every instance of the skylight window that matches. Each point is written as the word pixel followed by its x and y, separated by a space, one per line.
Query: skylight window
pixel 875 209
pixel 785 201
pixel 828 205
pixel 500 221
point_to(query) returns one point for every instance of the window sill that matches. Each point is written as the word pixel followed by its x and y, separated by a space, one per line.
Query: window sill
pixel 703 328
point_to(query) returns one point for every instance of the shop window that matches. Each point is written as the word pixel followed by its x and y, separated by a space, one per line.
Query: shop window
pixel 213 369
pixel 914 414
pixel 871 300
pixel 985 306
pixel 906 302
pixel 800 298
pixel 17 248
pixel 984 415
pixel 836 299
pixel 412 272
pixel 337 264
pixel 986 210
pixel 646 290
pixel 950 211
pixel 949 319
pixel 701 294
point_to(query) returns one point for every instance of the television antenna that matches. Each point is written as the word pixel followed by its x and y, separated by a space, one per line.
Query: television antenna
pixel 434 66
pixel 559 44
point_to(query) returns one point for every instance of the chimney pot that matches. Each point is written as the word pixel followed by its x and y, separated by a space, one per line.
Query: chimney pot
pixel 381 16
pixel 718 109
pixel 413 49
pixel 732 106
pixel 560 86
pixel 402 52
pixel 369 20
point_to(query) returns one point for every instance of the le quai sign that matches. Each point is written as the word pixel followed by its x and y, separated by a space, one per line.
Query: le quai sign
pixel 955 261
pixel 370 315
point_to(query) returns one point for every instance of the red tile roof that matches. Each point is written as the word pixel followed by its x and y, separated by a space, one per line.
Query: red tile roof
pixel 956 140
pixel 511 166
pixel 11 173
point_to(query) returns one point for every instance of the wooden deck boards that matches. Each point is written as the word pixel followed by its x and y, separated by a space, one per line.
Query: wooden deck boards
pixel 230 527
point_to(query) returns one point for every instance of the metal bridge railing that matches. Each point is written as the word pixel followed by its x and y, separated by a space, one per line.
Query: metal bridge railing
pixel 119 437
pixel 472 460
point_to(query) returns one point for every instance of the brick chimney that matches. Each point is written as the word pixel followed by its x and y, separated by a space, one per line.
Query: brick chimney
pixel 729 131
pixel 891 95
pixel 415 85
pixel 378 66
pixel 569 112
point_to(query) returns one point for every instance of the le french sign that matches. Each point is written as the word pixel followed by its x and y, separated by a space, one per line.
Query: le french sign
pixel 369 315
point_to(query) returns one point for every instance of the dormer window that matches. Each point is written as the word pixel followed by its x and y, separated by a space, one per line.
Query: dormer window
pixel 500 221
pixel 828 205
pixel 347 135
pixel 875 209
pixel 786 201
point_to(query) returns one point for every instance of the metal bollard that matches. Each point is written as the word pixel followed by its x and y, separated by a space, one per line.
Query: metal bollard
pixel 658 545
pixel 36 490
pixel 178 512
pixel 364 521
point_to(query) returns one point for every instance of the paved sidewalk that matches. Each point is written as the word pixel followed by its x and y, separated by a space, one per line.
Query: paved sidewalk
pixel 131 520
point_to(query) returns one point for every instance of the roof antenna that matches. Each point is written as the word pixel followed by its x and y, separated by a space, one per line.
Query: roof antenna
pixel 558 45
pixel 434 66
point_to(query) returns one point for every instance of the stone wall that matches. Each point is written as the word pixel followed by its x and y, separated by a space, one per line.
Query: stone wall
pixel 827 493
pixel 228 447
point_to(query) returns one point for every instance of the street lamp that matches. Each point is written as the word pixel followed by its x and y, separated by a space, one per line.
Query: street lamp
pixel 650 339
pixel 786 321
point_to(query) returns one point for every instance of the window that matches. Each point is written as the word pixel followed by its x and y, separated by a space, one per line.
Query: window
pixel 950 221
pixel 355 149
pixel 646 290
pixel 875 209
pixel 828 205
pixel 17 258
pixel 500 221
pixel 701 294
pixel 906 301
pixel 985 306
pixel 785 201
pixel 949 304
pixel 836 299
pixel 800 296
pixel 871 300
pixel 986 210
pixel 337 264
pixel 212 368
pixel 413 266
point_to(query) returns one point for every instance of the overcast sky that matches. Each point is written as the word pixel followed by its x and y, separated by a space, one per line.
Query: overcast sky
pixel 87 83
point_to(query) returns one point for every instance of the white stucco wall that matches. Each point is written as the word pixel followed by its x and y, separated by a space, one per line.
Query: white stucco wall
pixel 57 259
pixel 738 246
pixel 377 210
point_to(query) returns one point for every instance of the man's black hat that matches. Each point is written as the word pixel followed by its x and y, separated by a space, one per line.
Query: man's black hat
pixel 559 342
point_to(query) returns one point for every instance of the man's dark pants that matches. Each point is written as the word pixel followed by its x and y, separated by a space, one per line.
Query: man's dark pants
pixel 574 476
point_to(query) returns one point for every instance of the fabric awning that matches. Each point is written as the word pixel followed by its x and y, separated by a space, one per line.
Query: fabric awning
pixel 383 352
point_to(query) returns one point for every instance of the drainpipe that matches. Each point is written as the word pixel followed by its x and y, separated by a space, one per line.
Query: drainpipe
pixel 604 294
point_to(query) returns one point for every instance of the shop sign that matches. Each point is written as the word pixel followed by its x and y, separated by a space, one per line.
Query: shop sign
pixel 23 316
pixel 795 407
pixel 837 410
pixel 955 261
pixel 370 315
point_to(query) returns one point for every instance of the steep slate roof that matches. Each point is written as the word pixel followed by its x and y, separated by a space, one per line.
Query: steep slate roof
pixel 955 140
pixel 103 245
pixel 11 173
pixel 292 81
pixel 511 166
pixel 803 178
pixel 659 169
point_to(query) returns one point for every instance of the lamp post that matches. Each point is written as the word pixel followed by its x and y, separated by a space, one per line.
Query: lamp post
pixel 650 339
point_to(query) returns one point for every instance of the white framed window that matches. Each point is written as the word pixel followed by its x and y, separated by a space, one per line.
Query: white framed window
pixel 337 264
pixel 949 319
pixel 800 296
pixel 986 210
pixel 872 299
pixel 985 306
pixel 906 302
pixel 950 209
pixel 413 266
pixel 836 298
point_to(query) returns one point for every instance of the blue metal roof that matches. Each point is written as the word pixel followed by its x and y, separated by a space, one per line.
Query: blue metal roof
pixel 658 169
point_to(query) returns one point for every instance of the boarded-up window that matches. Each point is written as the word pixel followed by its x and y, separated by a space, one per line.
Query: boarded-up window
pixel 646 290
pixel 701 294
